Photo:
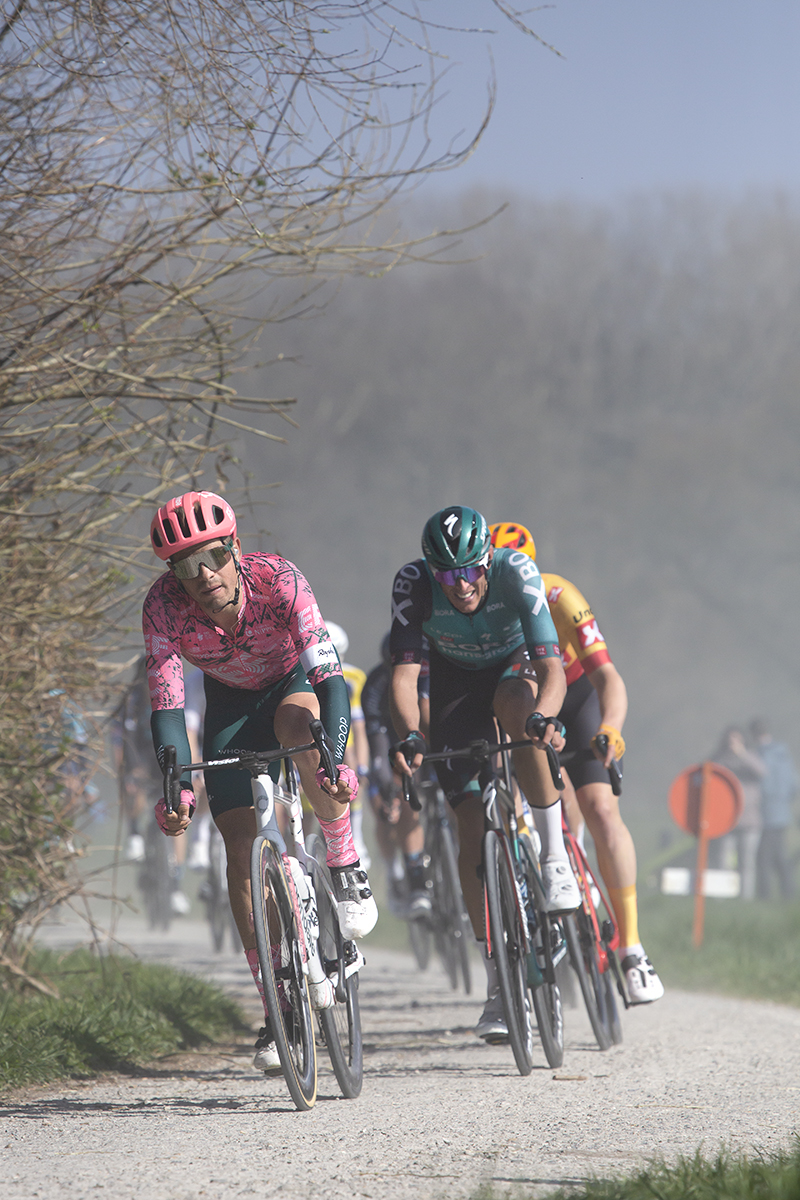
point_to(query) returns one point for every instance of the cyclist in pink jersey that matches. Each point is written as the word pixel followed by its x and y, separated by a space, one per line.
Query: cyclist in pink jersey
pixel 252 625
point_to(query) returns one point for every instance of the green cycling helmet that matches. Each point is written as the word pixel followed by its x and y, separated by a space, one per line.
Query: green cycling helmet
pixel 456 537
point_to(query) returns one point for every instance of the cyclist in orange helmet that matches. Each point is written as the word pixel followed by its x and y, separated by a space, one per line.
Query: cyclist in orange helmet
pixel 596 703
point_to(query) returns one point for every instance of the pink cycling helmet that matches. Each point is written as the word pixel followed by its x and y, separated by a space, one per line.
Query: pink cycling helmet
pixel 191 520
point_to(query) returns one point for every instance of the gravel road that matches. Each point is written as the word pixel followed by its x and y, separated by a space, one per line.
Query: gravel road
pixel 440 1112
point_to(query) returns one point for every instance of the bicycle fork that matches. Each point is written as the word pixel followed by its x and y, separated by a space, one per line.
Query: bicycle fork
pixel 299 885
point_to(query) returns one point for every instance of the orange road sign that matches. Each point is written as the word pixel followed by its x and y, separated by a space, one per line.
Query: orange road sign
pixel 705 800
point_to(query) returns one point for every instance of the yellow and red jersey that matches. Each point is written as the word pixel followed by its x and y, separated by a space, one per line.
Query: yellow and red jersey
pixel 583 647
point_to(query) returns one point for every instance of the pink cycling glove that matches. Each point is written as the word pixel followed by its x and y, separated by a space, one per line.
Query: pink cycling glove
pixel 160 809
pixel 346 776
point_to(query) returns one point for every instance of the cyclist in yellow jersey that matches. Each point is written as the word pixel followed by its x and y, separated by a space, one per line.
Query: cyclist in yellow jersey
pixel 356 755
pixel 596 703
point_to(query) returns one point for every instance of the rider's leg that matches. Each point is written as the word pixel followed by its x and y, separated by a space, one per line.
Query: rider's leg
pixel 616 857
pixel 514 701
pixel 357 909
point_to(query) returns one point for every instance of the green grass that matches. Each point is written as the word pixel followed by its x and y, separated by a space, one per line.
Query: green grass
pixel 113 1014
pixel 726 1177
pixel 750 948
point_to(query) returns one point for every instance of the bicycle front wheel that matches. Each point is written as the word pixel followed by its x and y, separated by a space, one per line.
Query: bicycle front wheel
pixel 507 941
pixel 341 1024
pixel 277 925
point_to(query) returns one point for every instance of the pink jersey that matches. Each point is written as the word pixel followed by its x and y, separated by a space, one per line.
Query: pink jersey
pixel 279 626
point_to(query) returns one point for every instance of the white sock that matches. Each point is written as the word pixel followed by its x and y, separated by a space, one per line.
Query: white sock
pixel 548 826
pixel 638 950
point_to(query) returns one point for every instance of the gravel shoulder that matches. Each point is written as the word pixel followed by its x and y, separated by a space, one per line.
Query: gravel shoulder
pixel 440 1113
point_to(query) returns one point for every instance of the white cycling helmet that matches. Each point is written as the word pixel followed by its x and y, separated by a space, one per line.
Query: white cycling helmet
pixel 339 638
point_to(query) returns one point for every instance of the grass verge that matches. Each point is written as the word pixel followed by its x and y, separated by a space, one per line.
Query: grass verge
pixel 114 1014
pixel 750 949
pixel 726 1177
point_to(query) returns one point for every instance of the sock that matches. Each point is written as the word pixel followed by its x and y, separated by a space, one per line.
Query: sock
pixel 637 950
pixel 626 910
pixel 338 834
pixel 492 986
pixel 548 826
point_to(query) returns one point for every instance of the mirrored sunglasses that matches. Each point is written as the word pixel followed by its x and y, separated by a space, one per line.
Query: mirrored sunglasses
pixel 211 557
pixel 471 574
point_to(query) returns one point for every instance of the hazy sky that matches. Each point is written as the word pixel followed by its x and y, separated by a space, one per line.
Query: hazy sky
pixel 648 94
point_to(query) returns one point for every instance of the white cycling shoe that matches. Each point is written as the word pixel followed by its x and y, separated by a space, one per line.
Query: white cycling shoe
pixel 358 911
pixel 560 886
pixel 641 979
pixel 266 1057
pixel 492 1025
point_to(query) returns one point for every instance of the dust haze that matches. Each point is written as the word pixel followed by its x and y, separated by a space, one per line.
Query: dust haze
pixel 624 381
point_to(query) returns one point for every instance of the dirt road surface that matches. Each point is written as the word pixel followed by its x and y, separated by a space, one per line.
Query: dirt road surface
pixel 440 1113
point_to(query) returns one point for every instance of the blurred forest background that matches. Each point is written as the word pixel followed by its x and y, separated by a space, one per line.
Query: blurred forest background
pixel 621 379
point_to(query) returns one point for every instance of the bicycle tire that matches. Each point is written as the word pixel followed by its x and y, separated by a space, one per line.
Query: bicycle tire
pixel 507 943
pixel 612 1008
pixel 450 910
pixel 583 956
pixel 294 1030
pixel 341 1024
pixel 419 935
pixel 547 995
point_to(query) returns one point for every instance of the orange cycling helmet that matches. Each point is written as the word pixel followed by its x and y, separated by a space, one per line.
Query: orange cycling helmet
pixel 508 535
pixel 191 520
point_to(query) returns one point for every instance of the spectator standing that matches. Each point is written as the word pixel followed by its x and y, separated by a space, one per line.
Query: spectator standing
pixel 749 769
pixel 778 790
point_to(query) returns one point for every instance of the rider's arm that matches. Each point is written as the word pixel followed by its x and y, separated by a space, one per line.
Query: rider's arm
pixel 404 698
pixel 552 688
pixel 164 668
pixel 404 706
pixel 611 692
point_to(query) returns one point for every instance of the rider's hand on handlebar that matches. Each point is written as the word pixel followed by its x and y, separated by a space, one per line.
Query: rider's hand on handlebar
pixel 345 790
pixel 545 731
pixel 175 823
pixel 407 755
pixel 615 747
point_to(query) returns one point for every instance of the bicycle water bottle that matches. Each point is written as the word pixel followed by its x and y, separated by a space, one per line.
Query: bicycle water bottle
pixel 320 988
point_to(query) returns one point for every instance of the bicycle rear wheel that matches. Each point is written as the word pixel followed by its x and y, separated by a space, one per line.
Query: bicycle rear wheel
pixel 507 941
pixel 341 1024
pixel 614 1023
pixel 276 924
pixel 454 932
pixel 419 935
pixel 582 947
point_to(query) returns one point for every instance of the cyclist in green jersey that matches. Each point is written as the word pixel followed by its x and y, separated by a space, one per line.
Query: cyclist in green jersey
pixel 493 654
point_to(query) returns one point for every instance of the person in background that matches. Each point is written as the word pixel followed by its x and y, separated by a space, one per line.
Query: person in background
pixel 778 790
pixel 748 768
pixel 356 756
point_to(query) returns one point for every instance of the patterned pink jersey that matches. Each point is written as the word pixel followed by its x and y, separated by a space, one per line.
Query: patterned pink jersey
pixel 279 626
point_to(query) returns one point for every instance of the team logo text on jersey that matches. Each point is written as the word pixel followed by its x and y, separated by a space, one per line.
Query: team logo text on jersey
pixel 553 594
pixel 590 634
pixel 310 618
pixel 581 616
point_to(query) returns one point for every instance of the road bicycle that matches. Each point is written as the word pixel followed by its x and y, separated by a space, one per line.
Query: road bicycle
pixel 525 941
pixel 298 939
pixel 447 925
pixel 592 939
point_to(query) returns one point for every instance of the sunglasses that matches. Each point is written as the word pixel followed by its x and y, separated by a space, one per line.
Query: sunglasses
pixel 450 578
pixel 211 557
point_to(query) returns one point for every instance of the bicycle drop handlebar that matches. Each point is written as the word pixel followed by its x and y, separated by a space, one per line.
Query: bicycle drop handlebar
pixel 255 762
pixel 480 751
